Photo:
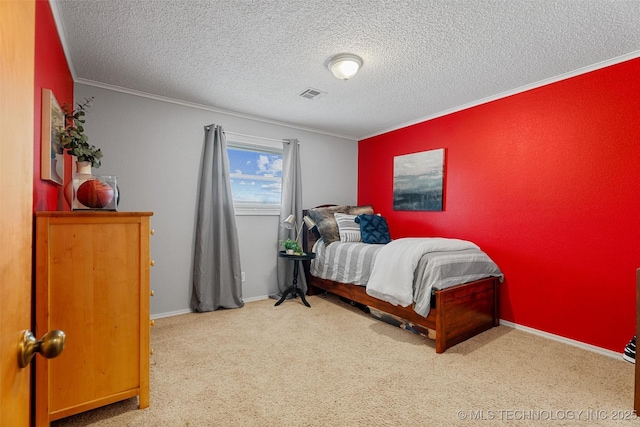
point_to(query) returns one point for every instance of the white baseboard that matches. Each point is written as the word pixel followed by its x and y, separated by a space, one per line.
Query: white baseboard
pixel 185 311
pixel 170 313
pixel 564 340
pixel 258 298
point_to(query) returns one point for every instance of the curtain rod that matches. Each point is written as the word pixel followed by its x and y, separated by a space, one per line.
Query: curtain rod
pixel 256 137
pixel 284 141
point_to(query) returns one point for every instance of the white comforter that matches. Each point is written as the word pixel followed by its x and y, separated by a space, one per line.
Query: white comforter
pixel 391 278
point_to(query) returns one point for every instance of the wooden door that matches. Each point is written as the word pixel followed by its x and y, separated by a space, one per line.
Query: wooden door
pixel 17 35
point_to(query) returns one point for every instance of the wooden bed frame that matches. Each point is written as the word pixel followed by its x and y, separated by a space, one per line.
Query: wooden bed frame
pixel 460 312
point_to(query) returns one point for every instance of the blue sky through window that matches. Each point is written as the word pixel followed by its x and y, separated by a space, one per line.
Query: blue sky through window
pixel 256 176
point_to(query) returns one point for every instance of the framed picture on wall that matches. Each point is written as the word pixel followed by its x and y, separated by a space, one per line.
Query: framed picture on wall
pixel 418 181
pixel 52 154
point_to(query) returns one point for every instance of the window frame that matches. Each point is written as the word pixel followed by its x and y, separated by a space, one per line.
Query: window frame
pixel 267 147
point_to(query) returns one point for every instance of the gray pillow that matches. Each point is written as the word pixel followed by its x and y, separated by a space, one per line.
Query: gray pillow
pixel 326 222
pixel 348 228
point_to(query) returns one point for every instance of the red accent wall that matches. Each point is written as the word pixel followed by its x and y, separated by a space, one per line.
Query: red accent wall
pixel 51 72
pixel 547 182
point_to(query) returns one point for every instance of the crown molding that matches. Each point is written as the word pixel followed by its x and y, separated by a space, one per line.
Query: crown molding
pixel 554 79
pixel 207 108
pixel 62 35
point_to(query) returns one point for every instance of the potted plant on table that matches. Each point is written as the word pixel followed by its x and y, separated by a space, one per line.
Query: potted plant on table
pixel 291 247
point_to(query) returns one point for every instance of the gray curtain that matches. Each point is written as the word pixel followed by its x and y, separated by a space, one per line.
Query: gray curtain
pixel 217 276
pixel 291 204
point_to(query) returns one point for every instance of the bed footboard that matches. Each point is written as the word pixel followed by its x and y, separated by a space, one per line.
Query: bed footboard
pixel 464 311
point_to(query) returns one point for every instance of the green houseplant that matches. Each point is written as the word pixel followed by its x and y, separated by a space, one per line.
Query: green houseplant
pixel 73 138
pixel 291 245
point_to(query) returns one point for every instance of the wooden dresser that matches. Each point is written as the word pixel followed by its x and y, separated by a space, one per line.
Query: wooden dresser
pixel 92 282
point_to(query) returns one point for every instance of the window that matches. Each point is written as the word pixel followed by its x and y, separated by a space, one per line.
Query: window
pixel 256 177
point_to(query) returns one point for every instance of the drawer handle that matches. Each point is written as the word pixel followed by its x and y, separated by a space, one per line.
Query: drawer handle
pixel 152 322
pixel 152 232
pixel 152 293
pixel 152 263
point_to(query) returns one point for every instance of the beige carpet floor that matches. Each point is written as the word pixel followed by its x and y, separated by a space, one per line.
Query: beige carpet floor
pixel 333 365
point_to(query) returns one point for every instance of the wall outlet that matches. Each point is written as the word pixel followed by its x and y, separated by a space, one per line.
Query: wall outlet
pixel 243 276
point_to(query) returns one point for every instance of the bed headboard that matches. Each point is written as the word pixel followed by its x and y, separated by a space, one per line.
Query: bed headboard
pixel 310 237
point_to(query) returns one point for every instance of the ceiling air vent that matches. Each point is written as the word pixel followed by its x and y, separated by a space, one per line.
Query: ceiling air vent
pixel 311 93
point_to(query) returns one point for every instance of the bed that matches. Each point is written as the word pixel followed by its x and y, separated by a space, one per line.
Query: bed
pixel 451 313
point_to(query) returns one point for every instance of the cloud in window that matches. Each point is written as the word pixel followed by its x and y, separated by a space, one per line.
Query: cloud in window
pixel 274 186
pixel 269 165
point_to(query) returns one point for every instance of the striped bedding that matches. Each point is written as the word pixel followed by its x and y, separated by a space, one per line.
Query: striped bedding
pixel 344 262
pixel 353 262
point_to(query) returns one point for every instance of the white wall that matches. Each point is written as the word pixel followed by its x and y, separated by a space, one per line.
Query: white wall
pixel 154 148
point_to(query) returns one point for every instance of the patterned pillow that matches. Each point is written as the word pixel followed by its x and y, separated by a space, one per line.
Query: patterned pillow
pixel 326 222
pixel 348 228
pixel 374 229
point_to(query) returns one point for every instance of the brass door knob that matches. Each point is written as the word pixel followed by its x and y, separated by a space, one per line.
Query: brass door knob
pixel 152 322
pixel 152 231
pixel 50 346
pixel 152 263
pixel 152 293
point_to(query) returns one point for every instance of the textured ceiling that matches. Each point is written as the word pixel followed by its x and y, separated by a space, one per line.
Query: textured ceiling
pixel 421 58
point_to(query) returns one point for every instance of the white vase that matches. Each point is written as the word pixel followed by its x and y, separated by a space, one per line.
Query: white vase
pixel 78 169
pixel 83 168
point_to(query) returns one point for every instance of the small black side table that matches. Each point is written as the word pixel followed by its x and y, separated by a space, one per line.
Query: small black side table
pixel 293 289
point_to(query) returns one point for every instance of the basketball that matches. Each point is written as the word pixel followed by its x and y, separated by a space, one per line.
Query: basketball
pixel 95 194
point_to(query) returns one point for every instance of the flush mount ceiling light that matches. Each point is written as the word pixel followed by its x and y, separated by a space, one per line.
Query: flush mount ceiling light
pixel 345 65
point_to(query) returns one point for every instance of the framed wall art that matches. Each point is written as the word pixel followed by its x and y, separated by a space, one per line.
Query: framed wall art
pixel 52 153
pixel 418 181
